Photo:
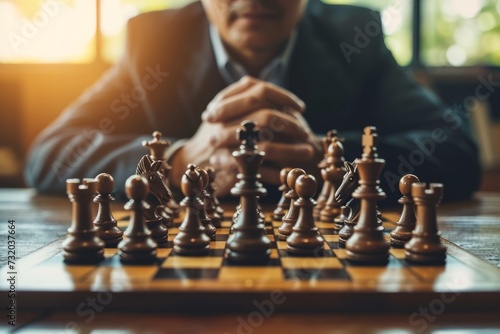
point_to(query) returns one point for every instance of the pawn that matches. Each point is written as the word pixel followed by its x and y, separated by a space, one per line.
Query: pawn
pixel 284 202
pixel 138 247
pixel 191 239
pixel 347 225
pixel 290 218
pixel 210 229
pixel 425 245
pixel 82 244
pixel 305 239
pixel 210 199
pixel 406 223
pixel 105 223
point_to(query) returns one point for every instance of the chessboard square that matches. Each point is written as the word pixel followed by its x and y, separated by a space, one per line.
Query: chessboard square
pixel 327 231
pixel 304 274
pixel 274 253
pixel 281 244
pixel 340 253
pixel 186 273
pixel 226 224
pixel 394 272
pixel 192 262
pixel 221 237
pixel 273 261
pixel 217 244
pixel 276 224
pixel 331 237
pixel 398 253
pixel 110 252
pixel 173 230
pixel 311 263
pixel 334 245
pixel 326 252
pixel 250 273
pixel 325 225
pixel 223 230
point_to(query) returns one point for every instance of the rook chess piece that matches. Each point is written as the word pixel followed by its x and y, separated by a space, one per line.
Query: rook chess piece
pixel 367 244
pixel 406 223
pixel 191 239
pixel 248 243
pixel 305 239
pixel 82 244
pixel 290 218
pixel 138 247
pixel 284 202
pixel 105 223
pixel 425 245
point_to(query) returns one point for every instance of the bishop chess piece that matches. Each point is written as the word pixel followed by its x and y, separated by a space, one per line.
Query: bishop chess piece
pixel 305 239
pixel 210 229
pixel 406 223
pixel 292 215
pixel 248 243
pixel 425 245
pixel 82 244
pixel 138 247
pixel 284 202
pixel 157 148
pixel 367 244
pixel 211 199
pixel 348 224
pixel 191 239
pixel 104 222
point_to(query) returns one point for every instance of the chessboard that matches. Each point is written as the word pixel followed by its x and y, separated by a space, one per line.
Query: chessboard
pixel 324 282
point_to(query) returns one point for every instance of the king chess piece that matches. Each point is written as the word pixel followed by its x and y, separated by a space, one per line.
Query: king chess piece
pixel 82 244
pixel 406 223
pixel 248 244
pixel 105 223
pixel 367 245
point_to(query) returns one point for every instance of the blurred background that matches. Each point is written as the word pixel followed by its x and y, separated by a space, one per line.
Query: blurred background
pixel 51 50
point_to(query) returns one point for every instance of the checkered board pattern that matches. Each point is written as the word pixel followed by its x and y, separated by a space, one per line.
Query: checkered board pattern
pixel 314 279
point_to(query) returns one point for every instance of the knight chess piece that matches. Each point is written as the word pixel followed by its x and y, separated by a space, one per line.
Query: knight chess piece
pixel 210 229
pixel 305 239
pixel 248 243
pixel 82 244
pixel 211 199
pixel 138 247
pixel 284 202
pixel 425 245
pixel 105 223
pixel 158 148
pixel 290 218
pixel 367 244
pixel 191 239
pixel 406 223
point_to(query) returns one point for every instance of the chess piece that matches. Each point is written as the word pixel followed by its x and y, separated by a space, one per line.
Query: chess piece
pixel 425 245
pixel 343 193
pixel 406 223
pixel 157 148
pixel 211 199
pixel 82 244
pixel 334 175
pixel 191 239
pixel 138 247
pixel 284 202
pixel 323 164
pixel 104 222
pixel 159 195
pixel 210 229
pixel 305 239
pixel 248 243
pixel 367 244
pixel 347 225
pixel 293 213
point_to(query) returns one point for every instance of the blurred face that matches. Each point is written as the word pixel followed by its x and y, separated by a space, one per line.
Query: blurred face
pixel 254 24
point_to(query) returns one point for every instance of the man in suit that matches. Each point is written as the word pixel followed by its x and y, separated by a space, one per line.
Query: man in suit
pixel 296 67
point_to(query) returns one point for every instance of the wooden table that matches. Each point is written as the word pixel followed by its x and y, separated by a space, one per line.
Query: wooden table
pixel 473 225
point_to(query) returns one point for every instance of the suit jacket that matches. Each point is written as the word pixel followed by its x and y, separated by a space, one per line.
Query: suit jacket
pixel 168 75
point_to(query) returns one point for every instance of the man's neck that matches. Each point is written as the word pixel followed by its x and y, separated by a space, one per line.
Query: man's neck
pixel 254 61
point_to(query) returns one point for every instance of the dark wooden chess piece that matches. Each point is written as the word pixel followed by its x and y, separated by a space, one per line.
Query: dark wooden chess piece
pixel 425 245
pixel 191 239
pixel 104 222
pixel 367 244
pixel 159 194
pixel 248 243
pixel 82 244
pixel 210 229
pixel 406 223
pixel 211 199
pixel 343 193
pixel 293 213
pixel 138 247
pixel 157 148
pixel 323 164
pixel 347 225
pixel 284 202
pixel 305 239
pixel 334 174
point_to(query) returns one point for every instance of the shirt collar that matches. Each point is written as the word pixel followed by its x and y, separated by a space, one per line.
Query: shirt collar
pixel 232 71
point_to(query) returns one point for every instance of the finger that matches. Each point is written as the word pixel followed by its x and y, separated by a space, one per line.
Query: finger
pixel 286 155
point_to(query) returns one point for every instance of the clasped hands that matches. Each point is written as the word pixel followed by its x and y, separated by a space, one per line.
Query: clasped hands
pixel 285 135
